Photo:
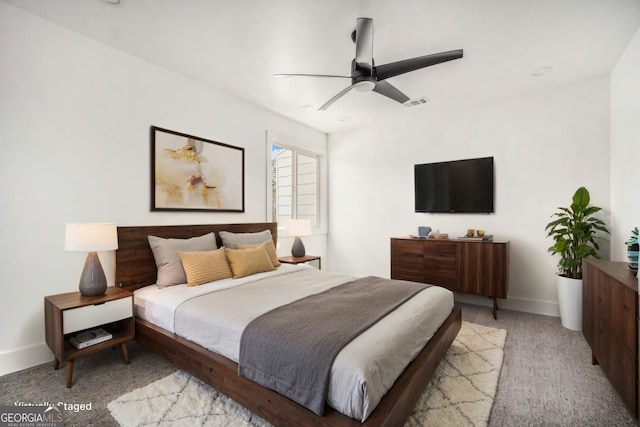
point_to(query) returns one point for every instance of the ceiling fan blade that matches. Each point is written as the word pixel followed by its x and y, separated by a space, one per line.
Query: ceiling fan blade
pixel 390 91
pixel 281 76
pixel 400 67
pixel 335 98
pixel 364 44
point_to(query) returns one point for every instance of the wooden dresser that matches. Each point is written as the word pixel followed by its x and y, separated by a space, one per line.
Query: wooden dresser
pixel 474 267
pixel 610 321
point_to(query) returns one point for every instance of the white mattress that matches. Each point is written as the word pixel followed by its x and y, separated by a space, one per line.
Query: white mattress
pixel 362 372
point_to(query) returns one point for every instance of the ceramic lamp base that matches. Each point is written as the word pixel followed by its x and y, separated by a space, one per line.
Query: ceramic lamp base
pixel 297 250
pixel 93 281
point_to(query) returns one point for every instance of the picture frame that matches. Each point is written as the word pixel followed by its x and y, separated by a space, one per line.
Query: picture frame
pixel 189 173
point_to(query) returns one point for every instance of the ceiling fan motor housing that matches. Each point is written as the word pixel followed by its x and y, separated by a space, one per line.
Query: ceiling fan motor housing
pixel 362 80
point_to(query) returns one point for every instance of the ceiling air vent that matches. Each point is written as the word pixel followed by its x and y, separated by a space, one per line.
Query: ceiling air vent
pixel 416 101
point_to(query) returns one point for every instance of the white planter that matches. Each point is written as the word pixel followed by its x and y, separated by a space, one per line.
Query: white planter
pixel 570 302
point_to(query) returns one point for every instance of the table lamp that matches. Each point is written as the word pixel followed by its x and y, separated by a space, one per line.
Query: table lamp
pixel 298 228
pixel 91 237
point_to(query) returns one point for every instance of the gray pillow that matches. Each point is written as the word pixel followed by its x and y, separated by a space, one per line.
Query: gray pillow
pixel 165 252
pixel 230 240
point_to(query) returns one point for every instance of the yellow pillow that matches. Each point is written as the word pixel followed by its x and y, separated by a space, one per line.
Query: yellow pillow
pixel 245 262
pixel 205 266
pixel 269 246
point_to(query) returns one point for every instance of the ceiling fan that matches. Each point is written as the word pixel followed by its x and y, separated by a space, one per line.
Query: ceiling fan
pixel 366 76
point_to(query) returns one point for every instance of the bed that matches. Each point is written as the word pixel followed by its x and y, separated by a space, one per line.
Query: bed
pixel 136 269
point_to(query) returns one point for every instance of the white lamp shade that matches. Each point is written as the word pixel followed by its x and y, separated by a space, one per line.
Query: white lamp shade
pixel 299 227
pixel 90 237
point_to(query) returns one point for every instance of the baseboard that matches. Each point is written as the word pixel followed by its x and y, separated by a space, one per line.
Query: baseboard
pixel 23 358
pixel 545 308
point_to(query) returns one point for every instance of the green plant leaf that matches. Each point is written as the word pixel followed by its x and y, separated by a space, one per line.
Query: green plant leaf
pixel 581 198
pixel 573 231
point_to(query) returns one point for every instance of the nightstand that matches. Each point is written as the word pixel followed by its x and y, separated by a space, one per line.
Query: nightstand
pixel 66 315
pixel 301 259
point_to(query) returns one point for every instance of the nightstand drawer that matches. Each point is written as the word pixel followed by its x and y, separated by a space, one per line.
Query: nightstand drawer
pixel 90 316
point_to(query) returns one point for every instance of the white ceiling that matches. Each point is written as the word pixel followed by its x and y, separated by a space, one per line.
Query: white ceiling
pixel 236 46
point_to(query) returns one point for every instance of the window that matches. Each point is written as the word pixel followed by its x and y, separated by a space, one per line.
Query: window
pixel 294 184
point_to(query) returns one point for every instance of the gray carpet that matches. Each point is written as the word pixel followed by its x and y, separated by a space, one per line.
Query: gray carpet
pixel 547 378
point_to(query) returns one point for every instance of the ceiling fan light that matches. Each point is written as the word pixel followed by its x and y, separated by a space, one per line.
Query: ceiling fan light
pixel 365 86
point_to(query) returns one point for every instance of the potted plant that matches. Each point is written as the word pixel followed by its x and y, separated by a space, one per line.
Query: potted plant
pixel 573 233
pixel 632 249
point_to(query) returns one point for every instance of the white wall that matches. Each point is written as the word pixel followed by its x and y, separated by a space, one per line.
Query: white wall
pixel 545 145
pixel 74 146
pixel 625 147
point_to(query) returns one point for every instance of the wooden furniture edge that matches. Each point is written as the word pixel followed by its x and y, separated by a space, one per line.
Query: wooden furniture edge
pixel 300 260
pixel 222 374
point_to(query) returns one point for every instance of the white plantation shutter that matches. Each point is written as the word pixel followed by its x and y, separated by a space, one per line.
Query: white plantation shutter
pixel 295 184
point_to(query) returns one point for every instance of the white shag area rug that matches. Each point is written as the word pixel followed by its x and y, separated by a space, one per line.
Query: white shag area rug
pixel 461 392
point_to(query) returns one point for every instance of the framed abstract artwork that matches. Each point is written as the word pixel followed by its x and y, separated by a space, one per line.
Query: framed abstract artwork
pixel 189 173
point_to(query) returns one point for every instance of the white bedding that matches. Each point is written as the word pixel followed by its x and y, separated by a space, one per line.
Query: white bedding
pixel 362 372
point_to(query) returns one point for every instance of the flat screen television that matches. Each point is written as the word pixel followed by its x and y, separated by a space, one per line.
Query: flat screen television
pixel 460 186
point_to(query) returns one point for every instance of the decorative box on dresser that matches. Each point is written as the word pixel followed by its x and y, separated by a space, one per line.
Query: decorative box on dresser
pixel 468 266
pixel 610 324
pixel 68 314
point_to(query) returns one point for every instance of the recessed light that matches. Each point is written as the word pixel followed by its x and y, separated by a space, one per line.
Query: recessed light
pixel 111 2
pixel 541 71
pixel 307 107
pixel 343 118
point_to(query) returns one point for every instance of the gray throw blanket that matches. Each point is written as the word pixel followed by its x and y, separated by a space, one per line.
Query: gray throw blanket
pixel 291 349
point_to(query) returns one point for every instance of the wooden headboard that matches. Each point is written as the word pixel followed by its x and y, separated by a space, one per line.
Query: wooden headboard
pixel 135 265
